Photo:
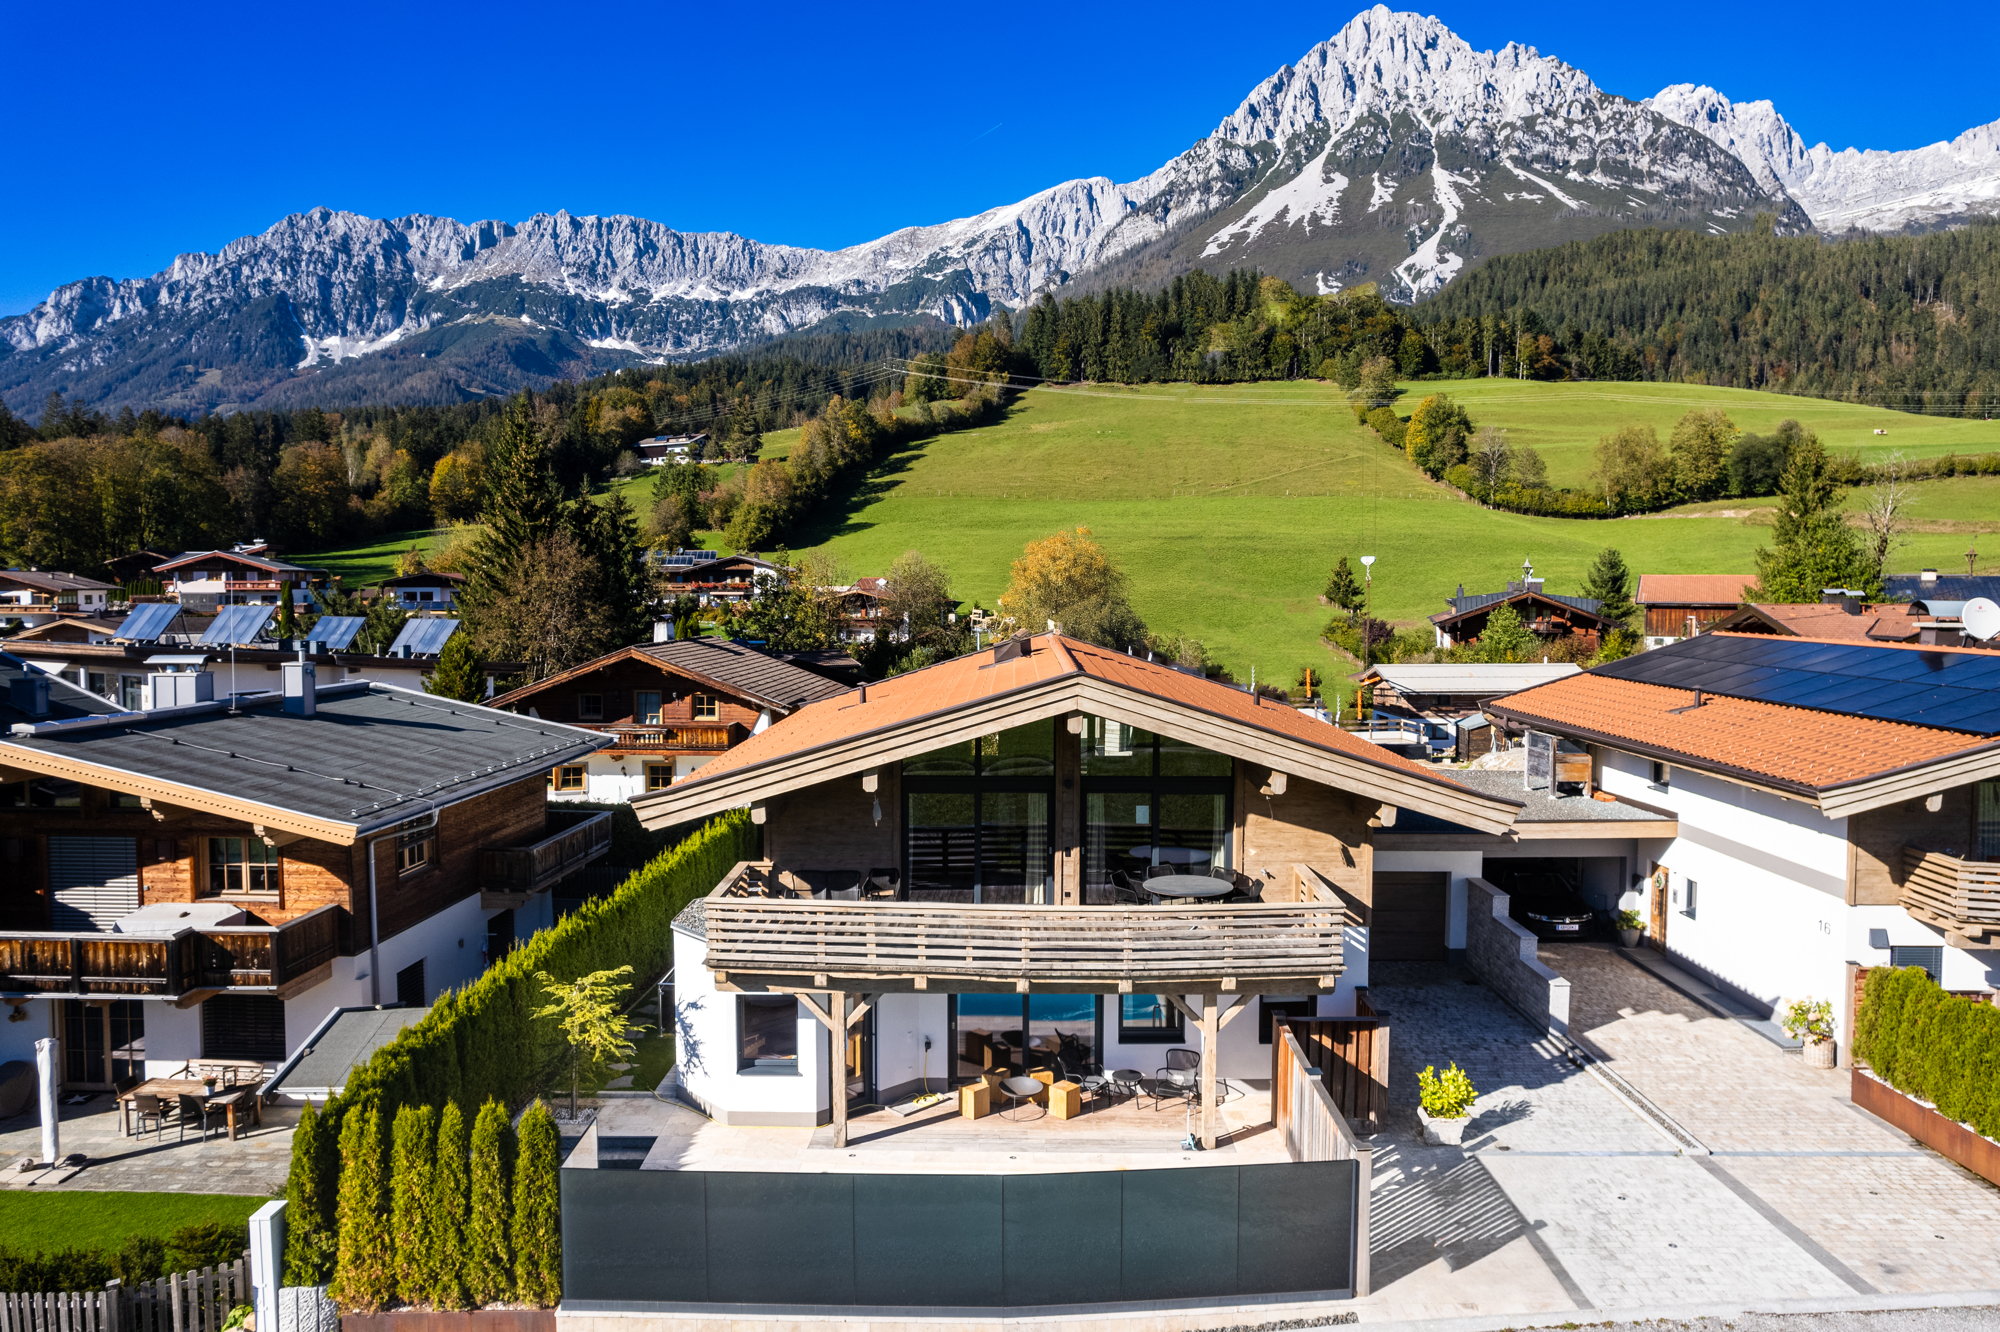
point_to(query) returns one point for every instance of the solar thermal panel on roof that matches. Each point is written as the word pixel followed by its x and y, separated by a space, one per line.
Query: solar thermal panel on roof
pixel 336 631
pixel 1954 691
pixel 238 625
pixel 424 638
pixel 146 623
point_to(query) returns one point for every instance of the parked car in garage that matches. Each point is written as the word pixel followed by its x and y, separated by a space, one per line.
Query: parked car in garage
pixel 1549 907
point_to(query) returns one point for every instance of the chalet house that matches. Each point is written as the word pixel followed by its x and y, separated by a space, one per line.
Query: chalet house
pixel 1444 700
pixel 667 708
pixel 209 878
pixel 724 578
pixel 136 565
pixel 71 629
pixel 663 449
pixel 30 597
pixel 425 590
pixel 952 898
pixel 1546 615
pixel 204 580
pixel 1834 806
pixel 1678 606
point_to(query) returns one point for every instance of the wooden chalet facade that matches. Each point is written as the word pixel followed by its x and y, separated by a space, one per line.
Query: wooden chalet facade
pixel 211 879
pixel 1546 615
pixel 31 597
pixel 724 578
pixel 667 708
pixel 963 850
pixel 1678 606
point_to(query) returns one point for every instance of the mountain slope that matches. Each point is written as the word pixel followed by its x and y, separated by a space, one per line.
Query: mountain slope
pixel 1393 152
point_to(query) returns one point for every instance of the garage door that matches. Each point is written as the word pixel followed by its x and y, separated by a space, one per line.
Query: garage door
pixel 94 880
pixel 1407 922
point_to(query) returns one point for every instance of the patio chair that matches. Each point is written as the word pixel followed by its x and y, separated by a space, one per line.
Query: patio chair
pixel 1126 892
pixel 1022 1091
pixel 197 1112
pixel 1181 1077
pixel 149 1107
pixel 1161 871
pixel 884 883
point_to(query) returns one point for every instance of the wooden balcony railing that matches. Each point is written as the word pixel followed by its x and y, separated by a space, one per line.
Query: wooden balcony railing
pixel 1244 947
pixel 510 875
pixel 674 737
pixel 1958 895
pixel 256 958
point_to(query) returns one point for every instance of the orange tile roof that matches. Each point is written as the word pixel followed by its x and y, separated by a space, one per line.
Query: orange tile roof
pixel 975 678
pixel 1815 619
pixel 1693 589
pixel 1791 746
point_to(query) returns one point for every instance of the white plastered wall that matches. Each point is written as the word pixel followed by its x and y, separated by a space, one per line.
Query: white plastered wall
pixel 706 1045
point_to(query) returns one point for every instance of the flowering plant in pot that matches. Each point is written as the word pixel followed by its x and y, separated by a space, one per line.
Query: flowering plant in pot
pixel 1811 1021
pixel 1630 923
pixel 1445 1104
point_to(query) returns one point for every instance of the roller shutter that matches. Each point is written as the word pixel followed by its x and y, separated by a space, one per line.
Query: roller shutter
pixel 93 880
pixel 243 1026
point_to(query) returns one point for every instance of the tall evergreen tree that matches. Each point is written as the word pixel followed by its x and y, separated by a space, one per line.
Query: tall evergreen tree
pixel 449 1203
pixel 1343 590
pixel 364 1275
pixel 609 534
pixel 1610 582
pixel 457 675
pixel 523 500
pixel 489 1254
pixel 1504 638
pixel 1813 548
pixel 414 1165
pixel 311 1190
pixel 537 1225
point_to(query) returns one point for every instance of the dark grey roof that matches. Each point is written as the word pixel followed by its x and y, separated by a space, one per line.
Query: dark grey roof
pixel 1537 806
pixel 342 1046
pixel 54 582
pixel 1947 587
pixel 1481 600
pixel 756 675
pixel 66 701
pixel 372 756
pixel 694 918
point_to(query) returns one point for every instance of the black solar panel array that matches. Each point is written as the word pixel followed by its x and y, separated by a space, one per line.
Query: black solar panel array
pixel 1954 691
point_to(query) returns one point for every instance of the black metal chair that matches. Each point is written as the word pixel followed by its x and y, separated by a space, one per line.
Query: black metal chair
pixel 1125 891
pixel 1161 871
pixel 884 883
pixel 1181 1078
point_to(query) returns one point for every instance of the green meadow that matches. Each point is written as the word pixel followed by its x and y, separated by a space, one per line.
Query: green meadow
pixel 1227 505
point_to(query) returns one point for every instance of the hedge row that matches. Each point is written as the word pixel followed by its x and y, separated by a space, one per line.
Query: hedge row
pixel 141 1258
pixel 1543 500
pixel 477 1045
pixel 1932 1045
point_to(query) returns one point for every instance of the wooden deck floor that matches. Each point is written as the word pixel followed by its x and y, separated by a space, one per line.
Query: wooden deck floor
pixel 1130 1135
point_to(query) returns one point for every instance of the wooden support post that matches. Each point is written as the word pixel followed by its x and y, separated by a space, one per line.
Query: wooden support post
pixel 836 1047
pixel 1210 1030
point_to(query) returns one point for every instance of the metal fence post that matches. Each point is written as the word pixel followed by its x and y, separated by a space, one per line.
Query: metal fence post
pixel 267 1261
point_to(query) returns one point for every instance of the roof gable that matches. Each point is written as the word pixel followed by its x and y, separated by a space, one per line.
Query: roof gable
pixel 1474 603
pixel 1693 589
pixel 728 667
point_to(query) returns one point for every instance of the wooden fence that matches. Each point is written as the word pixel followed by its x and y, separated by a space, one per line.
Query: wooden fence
pixel 1312 1129
pixel 1353 1056
pixel 183 1302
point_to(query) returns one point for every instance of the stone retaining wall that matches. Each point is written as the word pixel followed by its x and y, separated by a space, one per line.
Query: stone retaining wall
pixel 1502 954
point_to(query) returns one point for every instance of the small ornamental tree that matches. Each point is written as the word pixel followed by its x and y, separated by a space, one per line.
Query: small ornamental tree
pixel 489 1256
pixel 587 1010
pixel 310 1195
pixel 1343 590
pixel 450 1197
pixel 410 1183
pixel 457 674
pixel 364 1275
pixel 537 1211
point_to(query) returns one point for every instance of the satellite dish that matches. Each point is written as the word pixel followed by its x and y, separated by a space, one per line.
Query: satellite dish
pixel 1981 617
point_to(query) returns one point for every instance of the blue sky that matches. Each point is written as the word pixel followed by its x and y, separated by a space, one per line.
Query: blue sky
pixel 145 131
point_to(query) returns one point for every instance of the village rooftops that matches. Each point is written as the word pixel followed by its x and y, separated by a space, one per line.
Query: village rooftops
pixel 21 693
pixel 56 584
pixel 370 757
pixel 1846 726
pixel 1051 675
pixel 1942 586
pixel 762 678
pixel 1694 589
pixel 1845 621
pixel 1482 679
pixel 267 563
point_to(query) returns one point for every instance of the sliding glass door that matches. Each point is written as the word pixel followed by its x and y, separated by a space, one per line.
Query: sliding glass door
pixel 1149 802
pixel 1012 1033
pixel 977 819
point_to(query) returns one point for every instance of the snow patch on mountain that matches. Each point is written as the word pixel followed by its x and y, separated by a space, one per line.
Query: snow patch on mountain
pixel 1308 197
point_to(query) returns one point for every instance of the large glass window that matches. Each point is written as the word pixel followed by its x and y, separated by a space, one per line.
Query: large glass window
pixel 242 865
pixel 1149 801
pixel 977 819
pixel 1148 1019
pixel 1000 1032
pixel 767 1034
pixel 1989 820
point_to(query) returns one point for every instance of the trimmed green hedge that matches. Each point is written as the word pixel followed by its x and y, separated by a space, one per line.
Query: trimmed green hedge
pixel 481 1043
pixel 1932 1045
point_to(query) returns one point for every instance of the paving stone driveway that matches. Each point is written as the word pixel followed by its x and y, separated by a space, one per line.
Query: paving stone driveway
pixel 1565 1198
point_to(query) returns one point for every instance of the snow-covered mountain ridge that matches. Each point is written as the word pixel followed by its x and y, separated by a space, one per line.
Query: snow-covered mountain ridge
pixel 1392 152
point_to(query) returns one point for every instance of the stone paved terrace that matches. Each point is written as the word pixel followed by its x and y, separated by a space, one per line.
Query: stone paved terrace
pixel 255 1164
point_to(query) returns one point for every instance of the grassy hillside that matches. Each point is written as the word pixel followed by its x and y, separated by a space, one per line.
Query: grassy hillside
pixel 1228 505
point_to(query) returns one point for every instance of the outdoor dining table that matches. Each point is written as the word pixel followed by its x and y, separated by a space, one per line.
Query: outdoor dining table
pixel 1190 887
pixel 170 1089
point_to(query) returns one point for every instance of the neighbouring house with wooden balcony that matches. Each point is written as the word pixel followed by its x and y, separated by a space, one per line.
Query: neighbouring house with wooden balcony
pixel 666 708
pixel 1835 807
pixel 1020 921
pixel 33 597
pixel 205 877
pixel 207 579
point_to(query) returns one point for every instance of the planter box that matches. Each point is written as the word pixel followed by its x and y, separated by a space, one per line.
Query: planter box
pixel 472 1320
pixel 1443 1132
pixel 1981 1155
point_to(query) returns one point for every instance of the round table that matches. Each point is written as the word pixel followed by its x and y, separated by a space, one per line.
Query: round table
pixel 1190 887
pixel 1170 855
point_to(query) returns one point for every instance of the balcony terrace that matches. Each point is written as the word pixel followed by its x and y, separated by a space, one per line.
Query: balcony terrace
pixel 571 839
pixel 658 738
pixel 1957 895
pixel 185 965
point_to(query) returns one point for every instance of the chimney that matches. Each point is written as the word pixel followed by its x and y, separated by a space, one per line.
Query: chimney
pixel 663 631
pixel 300 692
pixel 1927 576
pixel 179 689
pixel 1832 596
pixel 29 694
